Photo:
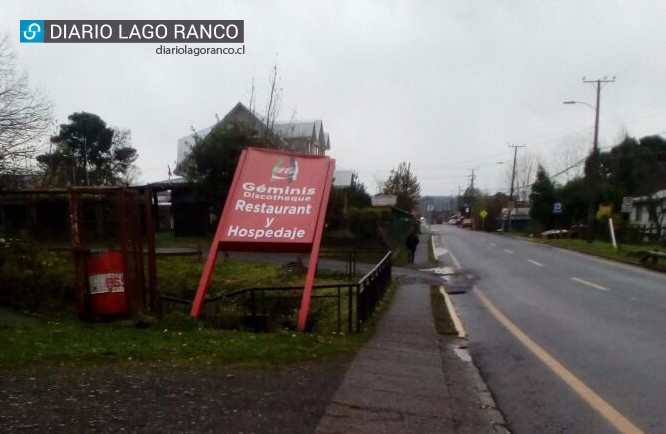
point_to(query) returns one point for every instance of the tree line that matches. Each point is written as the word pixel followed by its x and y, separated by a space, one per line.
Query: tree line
pixel 633 167
pixel 84 151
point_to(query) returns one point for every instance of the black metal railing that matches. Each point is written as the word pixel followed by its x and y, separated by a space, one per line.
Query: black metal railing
pixel 351 258
pixel 371 289
pixel 267 308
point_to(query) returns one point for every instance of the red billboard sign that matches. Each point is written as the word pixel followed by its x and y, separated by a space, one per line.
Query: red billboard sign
pixel 277 202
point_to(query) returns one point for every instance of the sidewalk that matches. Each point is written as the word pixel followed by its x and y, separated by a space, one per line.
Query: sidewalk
pixel 409 379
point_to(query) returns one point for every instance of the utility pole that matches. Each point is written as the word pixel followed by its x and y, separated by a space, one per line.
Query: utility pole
pixel 472 183
pixel 513 177
pixel 472 196
pixel 85 153
pixel 594 160
pixel 459 197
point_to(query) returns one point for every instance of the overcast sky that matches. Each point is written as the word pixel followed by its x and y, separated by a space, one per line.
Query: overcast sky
pixel 443 85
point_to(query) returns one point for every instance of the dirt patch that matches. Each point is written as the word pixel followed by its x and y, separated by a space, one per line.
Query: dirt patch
pixel 157 399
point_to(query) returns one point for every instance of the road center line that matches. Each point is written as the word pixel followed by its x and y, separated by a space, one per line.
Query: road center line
pixel 613 416
pixel 538 264
pixel 510 252
pixel 590 284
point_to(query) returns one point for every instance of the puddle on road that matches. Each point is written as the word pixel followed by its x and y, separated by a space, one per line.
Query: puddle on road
pixel 444 271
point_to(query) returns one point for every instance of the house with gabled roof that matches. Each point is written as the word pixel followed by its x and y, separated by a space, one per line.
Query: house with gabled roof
pixel 190 213
pixel 306 137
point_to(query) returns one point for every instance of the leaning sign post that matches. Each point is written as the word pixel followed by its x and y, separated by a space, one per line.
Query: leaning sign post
pixel 276 203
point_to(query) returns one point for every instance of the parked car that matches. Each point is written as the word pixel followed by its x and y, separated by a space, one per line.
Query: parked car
pixel 454 221
pixel 555 233
pixel 466 223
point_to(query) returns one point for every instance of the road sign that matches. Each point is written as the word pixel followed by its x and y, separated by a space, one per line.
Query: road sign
pixel 483 213
pixel 557 208
pixel 627 204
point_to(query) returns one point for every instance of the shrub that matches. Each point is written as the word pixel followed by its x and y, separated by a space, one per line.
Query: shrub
pixel 32 277
pixel 363 223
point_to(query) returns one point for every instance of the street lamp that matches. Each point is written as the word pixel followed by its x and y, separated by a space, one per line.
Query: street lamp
pixel 594 169
pixel 580 102
pixel 594 160
pixel 595 147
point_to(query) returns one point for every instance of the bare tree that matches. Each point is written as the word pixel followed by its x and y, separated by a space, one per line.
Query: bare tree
pixel 274 100
pixel 25 114
pixel 526 168
pixel 573 150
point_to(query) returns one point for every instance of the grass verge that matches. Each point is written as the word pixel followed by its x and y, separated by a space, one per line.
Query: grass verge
pixel 627 253
pixel 431 250
pixel 443 322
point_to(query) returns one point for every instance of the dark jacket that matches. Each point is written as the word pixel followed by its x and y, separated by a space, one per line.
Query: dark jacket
pixel 412 241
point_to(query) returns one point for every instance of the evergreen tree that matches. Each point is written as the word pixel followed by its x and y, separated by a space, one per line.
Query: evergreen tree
pixel 211 164
pixel 403 183
pixel 87 152
pixel 542 199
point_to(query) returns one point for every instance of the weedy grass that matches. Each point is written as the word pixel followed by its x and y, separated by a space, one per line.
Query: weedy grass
pixel 28 339
pixel 168 239
pixel 180 276
pixel 51 338
pixel 440 312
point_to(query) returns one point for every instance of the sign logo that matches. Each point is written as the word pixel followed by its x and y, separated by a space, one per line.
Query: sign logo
pixel 281 172
pixel 32 31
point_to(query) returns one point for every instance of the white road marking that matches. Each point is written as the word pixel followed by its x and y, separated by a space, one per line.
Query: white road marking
pixel 510 252
pixel 538 264
pixel 590 284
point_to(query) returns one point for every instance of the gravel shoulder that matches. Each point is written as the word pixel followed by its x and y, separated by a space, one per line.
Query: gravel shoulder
pixel 146 398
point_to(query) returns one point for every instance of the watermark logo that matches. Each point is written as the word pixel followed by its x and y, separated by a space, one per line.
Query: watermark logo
pixel 32 31
pixel 281 172
pixel 133 31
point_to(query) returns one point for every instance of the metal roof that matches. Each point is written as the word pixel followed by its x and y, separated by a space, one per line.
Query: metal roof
pixel 290 130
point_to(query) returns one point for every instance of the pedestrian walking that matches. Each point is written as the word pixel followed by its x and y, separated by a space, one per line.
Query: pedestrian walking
pixel 411 242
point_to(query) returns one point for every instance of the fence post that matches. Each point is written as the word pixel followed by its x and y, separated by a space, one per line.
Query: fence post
pixel 350 300
pixel 339 309
pixel 359 308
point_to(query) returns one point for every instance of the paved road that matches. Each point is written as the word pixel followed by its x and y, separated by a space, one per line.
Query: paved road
pixel 599 328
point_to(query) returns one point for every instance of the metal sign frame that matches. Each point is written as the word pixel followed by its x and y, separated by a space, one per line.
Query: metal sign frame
pixel 311 224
